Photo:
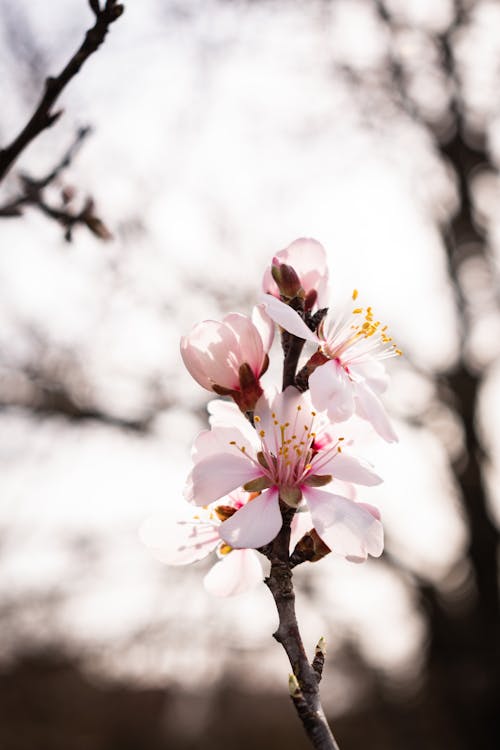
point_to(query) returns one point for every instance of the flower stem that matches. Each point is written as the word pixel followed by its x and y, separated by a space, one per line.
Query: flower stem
pixel 305 697
pixel 292 348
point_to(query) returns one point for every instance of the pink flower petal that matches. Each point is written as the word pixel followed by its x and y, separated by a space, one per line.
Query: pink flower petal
pixel 215 476
pixel 218 441
pixel 288 319
pixel 227 414
pixel 179 541
pixel 348 528
pixel 237 572
pixel 206 352
pixel 373 372
pixel 349 468
pixel 331 391
pixel 264 325
pixel 308 258
pixel 256 524
pixel 369 406
pixel 251 349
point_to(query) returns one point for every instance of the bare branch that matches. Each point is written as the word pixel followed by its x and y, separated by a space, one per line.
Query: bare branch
pixel 44 116
pixel 32 194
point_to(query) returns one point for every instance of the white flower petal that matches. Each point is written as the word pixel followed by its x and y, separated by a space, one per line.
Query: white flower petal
pixel 331 391
pixel 348 528
pixel 179 541
pixel 227 414
pixel 288 318
pixel 256 524
pixel 217 475
pixel 349 469
pixel 237 572
pixel 373 371
pixel 369 406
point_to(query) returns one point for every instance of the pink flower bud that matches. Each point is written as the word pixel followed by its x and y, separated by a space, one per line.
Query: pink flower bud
pixel 306 258
pixel 230 355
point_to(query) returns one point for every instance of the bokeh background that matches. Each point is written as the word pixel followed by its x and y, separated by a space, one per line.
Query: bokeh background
pixel 221 131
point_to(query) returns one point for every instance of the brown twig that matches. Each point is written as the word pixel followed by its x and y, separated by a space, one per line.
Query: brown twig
pixel 44 115
pixel 304 683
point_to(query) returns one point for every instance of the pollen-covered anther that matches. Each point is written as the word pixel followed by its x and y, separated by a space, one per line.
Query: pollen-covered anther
pixel 225 549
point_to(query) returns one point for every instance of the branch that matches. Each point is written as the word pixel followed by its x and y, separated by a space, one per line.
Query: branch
pixel 304 682
pixel 32 194
pixel 44 115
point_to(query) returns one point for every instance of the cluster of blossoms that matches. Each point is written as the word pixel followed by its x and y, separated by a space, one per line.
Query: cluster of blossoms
pixel 269 454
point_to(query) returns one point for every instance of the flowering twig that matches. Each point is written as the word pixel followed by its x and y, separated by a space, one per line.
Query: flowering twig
pixel 44 115
pixel 280 463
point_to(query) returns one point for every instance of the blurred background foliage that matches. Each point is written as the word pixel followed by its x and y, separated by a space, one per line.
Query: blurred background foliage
pixel 220 132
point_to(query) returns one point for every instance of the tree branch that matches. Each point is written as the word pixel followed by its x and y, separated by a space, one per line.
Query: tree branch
pixel 32 194
pixel 304 684
pixel 44 116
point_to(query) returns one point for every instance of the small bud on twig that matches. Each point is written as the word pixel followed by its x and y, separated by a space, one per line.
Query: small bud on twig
pixel 319 657
pixel 293 686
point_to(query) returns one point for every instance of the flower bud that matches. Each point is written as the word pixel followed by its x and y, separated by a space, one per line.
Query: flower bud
pixel 287 280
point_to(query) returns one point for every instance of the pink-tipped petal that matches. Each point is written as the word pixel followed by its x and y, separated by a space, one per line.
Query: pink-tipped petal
pixel 331 391
pixel 369 406
pixel 254 525
pixel 237 572
pixel 178 541
pixel 217 475
pixel 287 318
pixel 348 528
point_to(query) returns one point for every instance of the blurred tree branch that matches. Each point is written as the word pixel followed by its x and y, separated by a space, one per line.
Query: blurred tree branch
pixel 463 660
pixel 32 193
pixel 44 116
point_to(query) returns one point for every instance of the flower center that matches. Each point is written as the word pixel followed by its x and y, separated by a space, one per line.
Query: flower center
pixel 357 338
pixel 288 450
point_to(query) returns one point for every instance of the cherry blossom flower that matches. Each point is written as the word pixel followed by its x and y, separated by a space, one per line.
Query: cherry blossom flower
pixel 194 535
pixel 308 258
pixel 290 454
pixel 346 374
pixel 230 356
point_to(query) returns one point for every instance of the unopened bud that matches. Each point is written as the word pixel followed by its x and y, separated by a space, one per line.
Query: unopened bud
pixel 321 646
pixel 287 280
